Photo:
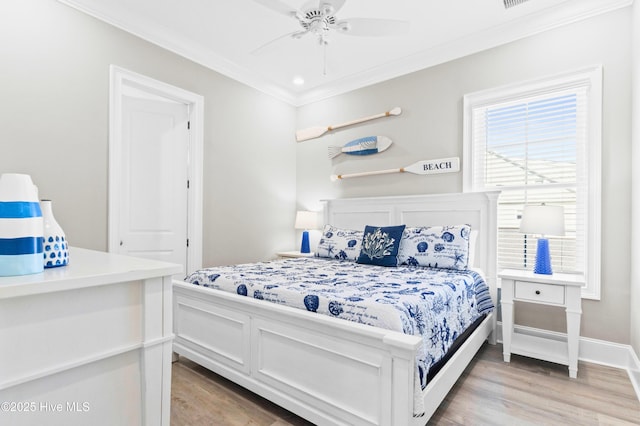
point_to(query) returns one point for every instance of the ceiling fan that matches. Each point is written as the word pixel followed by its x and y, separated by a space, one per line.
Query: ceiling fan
pixel 318 17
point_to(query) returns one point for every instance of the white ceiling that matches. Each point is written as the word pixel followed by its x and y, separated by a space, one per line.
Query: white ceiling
pixel 222 34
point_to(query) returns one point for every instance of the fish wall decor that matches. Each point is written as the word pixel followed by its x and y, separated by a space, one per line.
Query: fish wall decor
pixel 363 146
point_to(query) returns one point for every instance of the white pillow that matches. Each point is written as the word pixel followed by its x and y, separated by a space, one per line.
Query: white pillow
pixel 444 247
pixel 337 243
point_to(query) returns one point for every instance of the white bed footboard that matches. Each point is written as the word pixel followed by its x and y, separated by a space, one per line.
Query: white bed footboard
pixel 326 370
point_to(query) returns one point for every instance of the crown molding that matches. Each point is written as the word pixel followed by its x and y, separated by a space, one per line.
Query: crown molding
pixel 524 27
pixel 187 48
pixel 563 14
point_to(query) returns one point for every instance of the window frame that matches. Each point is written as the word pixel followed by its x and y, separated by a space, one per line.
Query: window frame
pixel 591 78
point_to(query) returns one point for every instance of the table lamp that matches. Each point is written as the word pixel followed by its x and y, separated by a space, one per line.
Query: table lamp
pixel 306 220
pixel 543 220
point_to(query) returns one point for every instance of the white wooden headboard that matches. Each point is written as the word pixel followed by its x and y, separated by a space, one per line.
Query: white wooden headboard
pixel 478 209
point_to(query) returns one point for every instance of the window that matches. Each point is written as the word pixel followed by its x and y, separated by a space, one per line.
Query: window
pixel 539 142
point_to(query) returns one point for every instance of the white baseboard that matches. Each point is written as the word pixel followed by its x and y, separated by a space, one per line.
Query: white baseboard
pixel 595 351
pixel 634 371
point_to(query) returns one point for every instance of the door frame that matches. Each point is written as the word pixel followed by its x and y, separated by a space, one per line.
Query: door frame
pixel 120 79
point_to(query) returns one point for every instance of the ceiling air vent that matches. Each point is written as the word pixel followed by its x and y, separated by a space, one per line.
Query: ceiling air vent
pixel 511 3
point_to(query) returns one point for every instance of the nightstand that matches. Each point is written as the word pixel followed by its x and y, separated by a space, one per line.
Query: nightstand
pixel 294 254
pixel 563 290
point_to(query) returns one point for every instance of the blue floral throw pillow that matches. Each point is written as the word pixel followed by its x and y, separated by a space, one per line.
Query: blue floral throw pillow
pixel 337 243
pixel 380 245
pixel 444 247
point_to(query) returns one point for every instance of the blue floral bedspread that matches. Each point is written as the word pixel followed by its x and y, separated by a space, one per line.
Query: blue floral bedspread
pixel 437 304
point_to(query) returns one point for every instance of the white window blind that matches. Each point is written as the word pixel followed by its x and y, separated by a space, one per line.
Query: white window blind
pixel 532 143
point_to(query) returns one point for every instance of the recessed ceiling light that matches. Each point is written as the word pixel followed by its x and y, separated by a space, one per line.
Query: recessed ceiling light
pixel 298 81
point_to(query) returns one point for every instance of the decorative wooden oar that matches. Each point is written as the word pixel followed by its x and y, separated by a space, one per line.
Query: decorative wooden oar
pixel 425 167
pixel 316 132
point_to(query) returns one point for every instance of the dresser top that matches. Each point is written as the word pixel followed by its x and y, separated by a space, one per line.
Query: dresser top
pixel 86 268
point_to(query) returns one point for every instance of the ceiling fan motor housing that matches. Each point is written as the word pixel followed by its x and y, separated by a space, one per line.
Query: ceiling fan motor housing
pixel 511 3
pixel 315 18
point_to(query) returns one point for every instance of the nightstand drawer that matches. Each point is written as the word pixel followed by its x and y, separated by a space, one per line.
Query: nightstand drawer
pixel 542 293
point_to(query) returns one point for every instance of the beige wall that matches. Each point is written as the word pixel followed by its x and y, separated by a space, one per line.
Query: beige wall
pixel 431 127
pixel 54 99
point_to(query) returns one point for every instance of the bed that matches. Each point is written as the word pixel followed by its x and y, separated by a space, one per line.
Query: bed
pixel 323 368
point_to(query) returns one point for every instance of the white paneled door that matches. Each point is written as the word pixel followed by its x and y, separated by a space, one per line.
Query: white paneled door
pixel 154 179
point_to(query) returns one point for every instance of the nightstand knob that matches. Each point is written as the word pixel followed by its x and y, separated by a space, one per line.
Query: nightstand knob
pixel 538 292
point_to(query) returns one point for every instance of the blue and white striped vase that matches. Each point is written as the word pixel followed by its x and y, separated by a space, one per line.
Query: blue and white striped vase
pixel 21 226
pixel 56 250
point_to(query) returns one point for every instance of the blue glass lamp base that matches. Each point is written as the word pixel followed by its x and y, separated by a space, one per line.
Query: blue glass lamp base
pixel 543 258
pixel 304 248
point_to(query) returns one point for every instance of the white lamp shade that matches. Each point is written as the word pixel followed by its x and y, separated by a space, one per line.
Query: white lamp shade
pixel 544 220
pixel 306 220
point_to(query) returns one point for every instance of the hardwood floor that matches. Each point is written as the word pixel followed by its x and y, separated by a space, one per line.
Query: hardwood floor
pixel 490 392
pixel 201 397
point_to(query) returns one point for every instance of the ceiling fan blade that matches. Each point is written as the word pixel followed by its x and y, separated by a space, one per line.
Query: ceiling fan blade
pixel 265 47
pixel 372 27
pixel 278 7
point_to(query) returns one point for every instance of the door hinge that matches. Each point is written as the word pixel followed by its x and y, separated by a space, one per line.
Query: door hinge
pixel 188 125
pixel 187 184
pixel 187 242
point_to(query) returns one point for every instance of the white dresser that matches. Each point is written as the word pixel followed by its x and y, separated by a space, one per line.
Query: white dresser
pixel 88 343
